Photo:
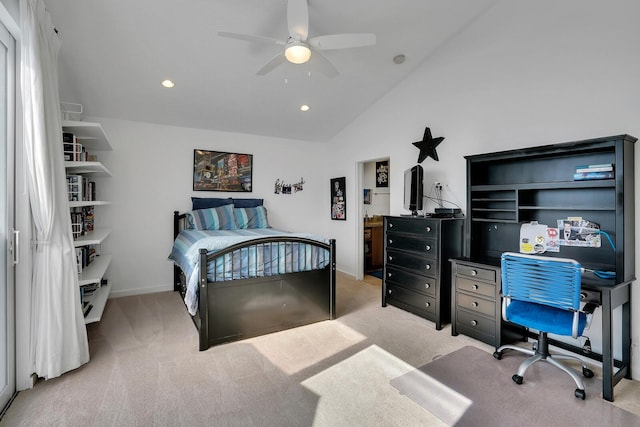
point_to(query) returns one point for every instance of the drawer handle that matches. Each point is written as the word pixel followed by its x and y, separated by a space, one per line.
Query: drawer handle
pixel 474 323
pixel 474 273
pixel 428 229
pixel 388 274
pixel 390 225
pixel 390 258
pixel 427 286
pixel 428 247
pixel 427 304
pixel 474 304
pixel 390 291
pixel 474 287
pixel 428 266
pixel 390 241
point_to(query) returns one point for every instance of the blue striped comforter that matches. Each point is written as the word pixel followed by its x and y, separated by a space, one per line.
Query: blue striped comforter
pixel 266 260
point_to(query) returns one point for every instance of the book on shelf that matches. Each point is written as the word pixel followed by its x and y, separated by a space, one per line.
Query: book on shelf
pixel 75 186
pixel 602 167
pixel 82 220
pixel 80 189
pixel 79 262
pixel 73 150
pixel 586 176
pixel 86 307
pixel 89 289
pixel 85 255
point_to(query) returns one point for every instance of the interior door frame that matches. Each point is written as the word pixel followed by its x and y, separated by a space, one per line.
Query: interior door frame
pixel 359 253
pixel 8 388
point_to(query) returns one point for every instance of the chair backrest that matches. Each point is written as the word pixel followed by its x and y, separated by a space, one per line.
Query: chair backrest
pixel 540 279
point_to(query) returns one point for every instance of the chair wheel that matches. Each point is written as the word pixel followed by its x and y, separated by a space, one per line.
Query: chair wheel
pixel 497 355
pixel 517 379
pixel 587 373
pixel 580 394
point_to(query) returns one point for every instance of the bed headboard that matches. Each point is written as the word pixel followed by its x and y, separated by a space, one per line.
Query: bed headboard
pixel 179 222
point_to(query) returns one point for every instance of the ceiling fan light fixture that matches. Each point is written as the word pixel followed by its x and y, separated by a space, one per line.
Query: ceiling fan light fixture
pixel 297 53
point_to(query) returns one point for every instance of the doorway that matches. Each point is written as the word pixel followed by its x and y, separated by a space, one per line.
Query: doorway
pixel 374 203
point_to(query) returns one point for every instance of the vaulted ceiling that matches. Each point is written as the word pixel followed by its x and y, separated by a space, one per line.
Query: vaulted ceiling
pixel 115 54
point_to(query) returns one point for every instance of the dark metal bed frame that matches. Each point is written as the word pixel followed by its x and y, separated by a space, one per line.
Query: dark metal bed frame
pixel 243 308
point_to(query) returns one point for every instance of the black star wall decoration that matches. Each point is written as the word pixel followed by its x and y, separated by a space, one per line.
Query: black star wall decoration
pixel 428 146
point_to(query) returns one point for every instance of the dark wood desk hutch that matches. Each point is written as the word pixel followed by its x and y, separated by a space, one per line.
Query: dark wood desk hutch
pixel 417 274
pixel 509 188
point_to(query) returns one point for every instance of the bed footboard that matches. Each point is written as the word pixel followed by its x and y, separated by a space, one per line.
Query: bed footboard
pixel 238 309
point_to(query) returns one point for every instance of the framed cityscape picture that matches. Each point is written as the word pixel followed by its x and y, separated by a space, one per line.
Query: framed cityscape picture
pixel 220 171
pixel 338 199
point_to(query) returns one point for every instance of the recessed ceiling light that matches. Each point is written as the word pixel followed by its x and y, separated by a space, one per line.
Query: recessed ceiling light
pixel 304 107
pixel 168 83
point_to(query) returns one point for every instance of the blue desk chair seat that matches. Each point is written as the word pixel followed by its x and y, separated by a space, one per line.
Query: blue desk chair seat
pixel 543 293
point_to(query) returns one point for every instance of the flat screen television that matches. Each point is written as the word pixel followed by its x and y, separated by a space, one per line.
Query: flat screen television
pixel 413 189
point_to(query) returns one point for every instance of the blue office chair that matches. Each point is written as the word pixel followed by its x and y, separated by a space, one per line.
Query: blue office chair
pixel 543 293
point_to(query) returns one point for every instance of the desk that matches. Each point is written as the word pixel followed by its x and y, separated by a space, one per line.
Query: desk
pixel 613 295
pixel 475 309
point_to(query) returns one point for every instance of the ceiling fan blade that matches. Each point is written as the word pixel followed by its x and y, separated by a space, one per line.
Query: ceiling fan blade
pixel 322 64
pixel 298 18
pixel 251 38
pixel 342 41
pixel 272 64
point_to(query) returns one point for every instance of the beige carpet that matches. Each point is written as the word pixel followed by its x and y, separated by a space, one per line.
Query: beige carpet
pixel 469 387
pixel 146 370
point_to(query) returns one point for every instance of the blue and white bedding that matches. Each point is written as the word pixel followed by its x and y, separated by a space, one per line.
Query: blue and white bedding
pixel 266 260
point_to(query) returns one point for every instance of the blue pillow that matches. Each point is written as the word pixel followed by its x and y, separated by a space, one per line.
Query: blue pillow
pixel 251 217
pixel 221 218
pixel 247 203
pixel 205 202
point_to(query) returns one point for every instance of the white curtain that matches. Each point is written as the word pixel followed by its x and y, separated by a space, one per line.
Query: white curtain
pixel 58 335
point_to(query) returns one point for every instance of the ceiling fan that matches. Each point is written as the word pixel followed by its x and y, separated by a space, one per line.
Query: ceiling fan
pixel 299 47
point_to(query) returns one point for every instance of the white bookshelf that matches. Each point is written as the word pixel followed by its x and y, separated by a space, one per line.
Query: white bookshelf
pixel 94 272
pixel 93 138
pixel 86 168
pixel 94 237
pixel 98 299
pixel 76 204
pixel 90 135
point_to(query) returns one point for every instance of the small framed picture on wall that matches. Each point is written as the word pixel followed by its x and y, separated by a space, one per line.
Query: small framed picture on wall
pixel 382 174
pixel 366 197
pixel 338 199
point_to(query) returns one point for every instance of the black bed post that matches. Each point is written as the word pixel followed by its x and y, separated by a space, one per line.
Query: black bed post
pixel 332 279
pixel 203 311
pixel 176 270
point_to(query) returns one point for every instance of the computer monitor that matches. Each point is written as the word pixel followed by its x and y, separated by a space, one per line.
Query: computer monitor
pixel 413 189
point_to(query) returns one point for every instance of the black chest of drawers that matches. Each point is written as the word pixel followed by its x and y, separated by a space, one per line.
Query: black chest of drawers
pixel 417 274
pixel 476 304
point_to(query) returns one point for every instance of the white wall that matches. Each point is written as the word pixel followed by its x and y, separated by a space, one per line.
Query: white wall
pixel 152 168
pixel 12 9
pixel 524 74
